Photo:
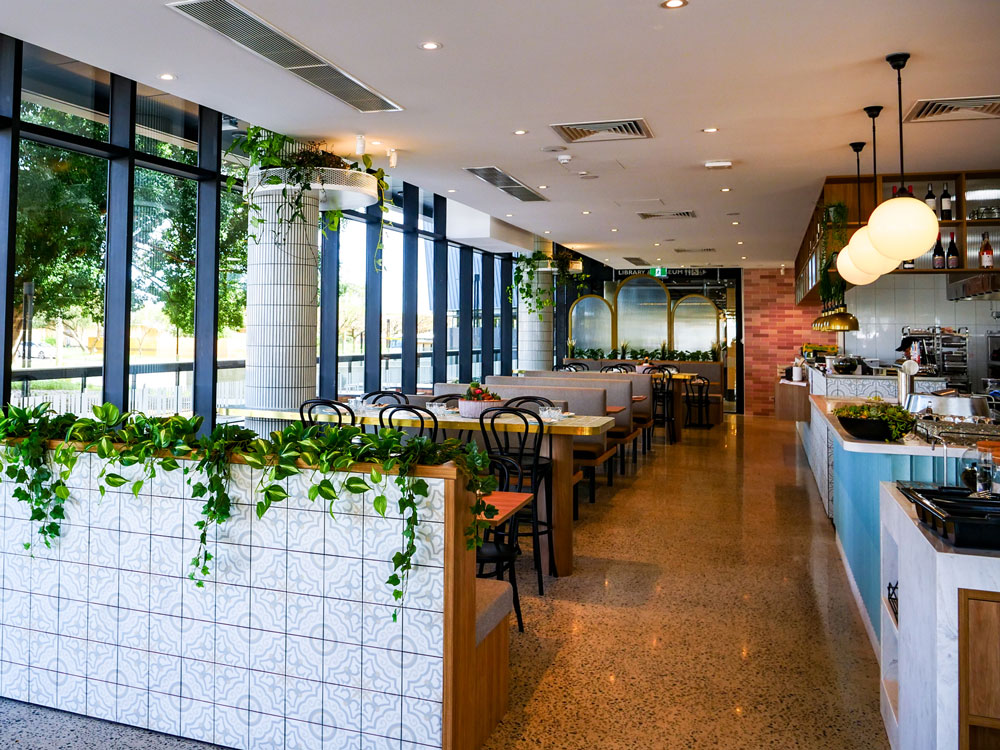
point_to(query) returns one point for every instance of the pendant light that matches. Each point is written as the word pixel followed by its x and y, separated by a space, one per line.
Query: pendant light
pixel 865 257
pixel 851 273
pixel 902 227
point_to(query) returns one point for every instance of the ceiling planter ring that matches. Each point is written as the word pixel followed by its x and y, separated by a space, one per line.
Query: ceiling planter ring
pixel 338 189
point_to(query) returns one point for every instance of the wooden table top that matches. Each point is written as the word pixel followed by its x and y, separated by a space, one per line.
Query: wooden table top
pixel 577 425
pixel 636 399
pixel 615 409
pixel 507 504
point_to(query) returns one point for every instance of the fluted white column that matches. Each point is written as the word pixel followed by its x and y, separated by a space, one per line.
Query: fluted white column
pixel 534 332
pixel 282 308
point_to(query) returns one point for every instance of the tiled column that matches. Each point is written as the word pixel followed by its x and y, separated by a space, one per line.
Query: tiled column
pixel 534 332
pixel 281 308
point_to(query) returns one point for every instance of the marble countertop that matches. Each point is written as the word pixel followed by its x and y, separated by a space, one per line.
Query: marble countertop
pixel 910 445
pixel 937 543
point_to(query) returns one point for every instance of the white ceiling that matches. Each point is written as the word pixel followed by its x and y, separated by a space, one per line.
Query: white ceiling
pixel 783 80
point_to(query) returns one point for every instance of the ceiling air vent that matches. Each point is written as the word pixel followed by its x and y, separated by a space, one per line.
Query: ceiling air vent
pixel 957 108
pixel 259 37
pixel 638 261
pixel 686 250
pixel 605 130
pixel 646 215
pixel 503 181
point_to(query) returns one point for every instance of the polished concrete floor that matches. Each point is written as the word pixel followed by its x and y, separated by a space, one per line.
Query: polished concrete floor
pixel 708 608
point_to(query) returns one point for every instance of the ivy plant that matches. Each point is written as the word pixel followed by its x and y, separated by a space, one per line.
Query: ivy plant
pixel 534 297
pixel 39 450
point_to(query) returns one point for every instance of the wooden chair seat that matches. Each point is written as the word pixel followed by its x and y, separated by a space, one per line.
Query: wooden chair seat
pixel 507 504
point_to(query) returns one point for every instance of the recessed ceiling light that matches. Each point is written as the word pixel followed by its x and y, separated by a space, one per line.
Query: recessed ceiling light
pixel 614 230
pixel 725 190
pixel 586 213
pixel 547 232
pixel 673 4
pixel 543 187
pixel 709 130
pixel 740 242
pixel 376 143
pixel 520 132
pixel 167 77
pixel 431 46
pixel 656 244
pixel 452 190
pixel 736 223
pixel 718 164
pixel 659 258
pixel 606 260
pixel 582 173
pixel 743 257
pixel 682 266
pixel 509 215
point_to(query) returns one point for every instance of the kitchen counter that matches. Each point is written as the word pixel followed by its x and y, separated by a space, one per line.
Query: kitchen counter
pixel 866 386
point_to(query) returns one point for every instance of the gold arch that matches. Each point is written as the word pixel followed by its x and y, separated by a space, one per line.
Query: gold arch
pixel 718 313
pixel 670 322
pixel 611 314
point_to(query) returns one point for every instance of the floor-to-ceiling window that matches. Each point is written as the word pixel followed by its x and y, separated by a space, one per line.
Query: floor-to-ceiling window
pixel 391 260
pixel 351 328
pixel 453 312
pixel 477 315
pixel 425 312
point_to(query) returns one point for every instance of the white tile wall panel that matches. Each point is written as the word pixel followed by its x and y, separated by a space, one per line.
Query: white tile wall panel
pixel 290 645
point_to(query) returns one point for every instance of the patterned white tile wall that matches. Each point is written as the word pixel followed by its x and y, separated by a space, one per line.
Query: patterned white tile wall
pixel 291 644
pixel 897 300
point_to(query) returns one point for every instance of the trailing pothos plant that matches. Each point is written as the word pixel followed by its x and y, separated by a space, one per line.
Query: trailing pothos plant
pixel 536 297
pixel 833 238
pixel 266 150
pixel 40 469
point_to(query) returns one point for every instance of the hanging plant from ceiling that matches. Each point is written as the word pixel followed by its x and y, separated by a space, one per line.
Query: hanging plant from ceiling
pixel 535 297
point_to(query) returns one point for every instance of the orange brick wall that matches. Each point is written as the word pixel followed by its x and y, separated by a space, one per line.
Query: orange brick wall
pixel 774 328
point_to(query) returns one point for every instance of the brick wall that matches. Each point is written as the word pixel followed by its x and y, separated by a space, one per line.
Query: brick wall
pixel 774 328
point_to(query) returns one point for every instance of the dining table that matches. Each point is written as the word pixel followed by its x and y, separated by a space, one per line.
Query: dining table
pixel 559 448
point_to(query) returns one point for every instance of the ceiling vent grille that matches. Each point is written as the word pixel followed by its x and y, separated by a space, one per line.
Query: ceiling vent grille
pixel 647 215
pixel 638 261
pixel 958 108
pixel 688 250
pixel 604 130
pixel 259 37
pixel 503 181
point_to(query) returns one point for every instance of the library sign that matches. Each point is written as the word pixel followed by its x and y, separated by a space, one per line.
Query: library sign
pixel 665 273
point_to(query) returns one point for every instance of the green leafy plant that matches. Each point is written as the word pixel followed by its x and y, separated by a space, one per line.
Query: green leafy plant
pixel 266 150
pixel 899 421
pixel 535 297
pixel 833 238
pixel 39 450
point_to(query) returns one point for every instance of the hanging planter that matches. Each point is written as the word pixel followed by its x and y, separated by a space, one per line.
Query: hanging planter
pixel 339 189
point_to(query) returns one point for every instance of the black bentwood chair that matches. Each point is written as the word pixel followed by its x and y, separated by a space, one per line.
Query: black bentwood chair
pixel 564 368
pixel 696 400
pixel 499 547
pixel 384 397
pixel 522 442
pixel 310 408
pixel 450 400
pixel 580 366
pixel 389 415
pixel 614 368
pixel 663 401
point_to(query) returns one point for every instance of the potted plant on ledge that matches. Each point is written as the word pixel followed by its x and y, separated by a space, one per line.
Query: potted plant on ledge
pixel 477 399
pixel 875 420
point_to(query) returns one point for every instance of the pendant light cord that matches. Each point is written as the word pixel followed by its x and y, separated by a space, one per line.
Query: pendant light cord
pixel 858 155
pixel 899 95
pixel 874 168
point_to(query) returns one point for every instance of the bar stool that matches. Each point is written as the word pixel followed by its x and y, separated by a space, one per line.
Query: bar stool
pixel 522 443
pixel 663 401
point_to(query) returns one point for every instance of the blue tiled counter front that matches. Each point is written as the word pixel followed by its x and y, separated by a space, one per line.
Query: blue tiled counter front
pixel 858 467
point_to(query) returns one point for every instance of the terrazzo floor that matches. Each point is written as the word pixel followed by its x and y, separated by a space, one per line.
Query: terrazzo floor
pixel 708 609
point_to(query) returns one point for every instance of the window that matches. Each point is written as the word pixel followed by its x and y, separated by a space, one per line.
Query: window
pixel 392 307
pixel 425 312
pixel 161 337
pixel 232 343
pixel 452 343
pixel 62 93
pixel 351 328
pixel 477 315
pixel 59 278
pixel 499 298
pixel 590 324
pixel 696 324
pixel 166 125
pixel 643 311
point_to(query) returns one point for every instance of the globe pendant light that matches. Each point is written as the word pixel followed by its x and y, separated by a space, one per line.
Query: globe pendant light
pixel 851 273
pixel 902 227
pixel 865 257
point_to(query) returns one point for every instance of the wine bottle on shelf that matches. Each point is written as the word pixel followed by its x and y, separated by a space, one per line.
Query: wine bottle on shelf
pixel 939 259
pixel 945 204
pixel 930 199
pixel 908 265
pixel 909 191
pixel 986 252
pixel 953 259
pixel 894 189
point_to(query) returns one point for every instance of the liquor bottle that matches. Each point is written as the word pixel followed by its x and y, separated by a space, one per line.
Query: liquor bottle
pixel 908 265
pixel 930 199
pixel 945 204
pixel 986 252
pixel 909 191
pixel 953 259
pixel 894 189
pixel 939 260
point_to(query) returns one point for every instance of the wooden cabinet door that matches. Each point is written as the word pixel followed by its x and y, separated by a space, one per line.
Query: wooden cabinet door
pixel 979 669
